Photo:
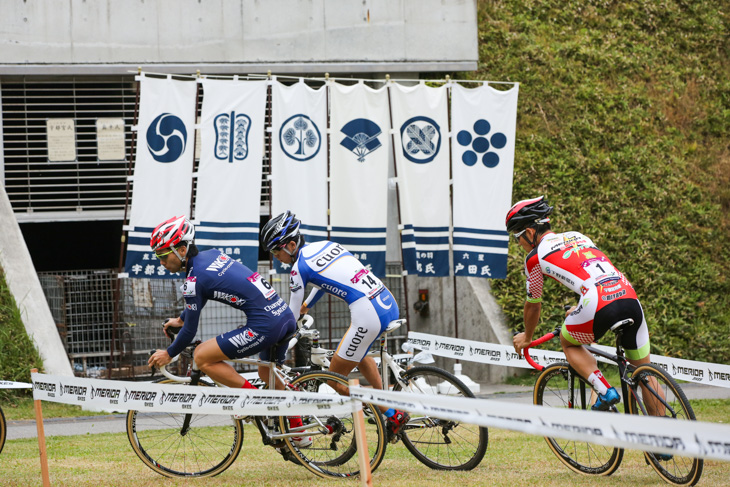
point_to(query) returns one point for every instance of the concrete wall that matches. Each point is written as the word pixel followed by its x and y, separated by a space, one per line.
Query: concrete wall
pixel 479 318
pixel 26 289
pixel 287 35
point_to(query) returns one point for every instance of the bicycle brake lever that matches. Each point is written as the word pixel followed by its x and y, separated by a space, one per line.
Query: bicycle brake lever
pixel 154 369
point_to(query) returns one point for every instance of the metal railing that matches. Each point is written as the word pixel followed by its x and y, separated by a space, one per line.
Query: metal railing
pixel 109 325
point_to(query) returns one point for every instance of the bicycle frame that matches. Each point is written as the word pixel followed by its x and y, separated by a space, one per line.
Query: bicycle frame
pixel 268 436
pixel 387 362
pixel 625 369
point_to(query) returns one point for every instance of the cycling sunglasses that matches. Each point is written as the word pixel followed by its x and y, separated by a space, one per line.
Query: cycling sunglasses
pixel 518 235
pixel 163 255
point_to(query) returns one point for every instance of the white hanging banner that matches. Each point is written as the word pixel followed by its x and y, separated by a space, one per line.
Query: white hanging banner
pixel 228 200
pixel 420 123
pixel 360 147
pixel 163 167
pixel 299 158
pixel 483 124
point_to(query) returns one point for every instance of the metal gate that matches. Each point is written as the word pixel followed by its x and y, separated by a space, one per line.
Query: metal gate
pixel 109 325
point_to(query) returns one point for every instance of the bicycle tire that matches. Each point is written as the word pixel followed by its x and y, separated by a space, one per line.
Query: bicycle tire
pixel 209 447
pixel 437 443
pixel 334 455
pixel 3 430
pixel 552 389
pixel 677 470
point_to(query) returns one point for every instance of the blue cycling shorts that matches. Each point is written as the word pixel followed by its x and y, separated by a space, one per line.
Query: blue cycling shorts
pixel 250 340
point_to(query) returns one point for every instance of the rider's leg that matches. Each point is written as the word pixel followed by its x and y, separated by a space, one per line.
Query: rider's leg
pixel 344 367
pixel 579 358
pixel 367 367
pixel 210 360
pixel 653 405
pixel 264 375
pixel 371 372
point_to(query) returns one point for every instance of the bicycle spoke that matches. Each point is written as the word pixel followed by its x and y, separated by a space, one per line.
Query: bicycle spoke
pixel 462 446
pixel 552 389
pixel 656 393
pixel 335 454
pixel 209 446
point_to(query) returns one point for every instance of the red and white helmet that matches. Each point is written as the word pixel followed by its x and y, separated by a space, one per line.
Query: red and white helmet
pixel 172 232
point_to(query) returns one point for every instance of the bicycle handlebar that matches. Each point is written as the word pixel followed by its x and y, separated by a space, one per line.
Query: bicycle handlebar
pixel 539 341
pixel 303 324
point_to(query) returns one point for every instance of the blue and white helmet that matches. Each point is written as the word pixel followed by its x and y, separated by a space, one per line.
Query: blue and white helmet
pixel 279 231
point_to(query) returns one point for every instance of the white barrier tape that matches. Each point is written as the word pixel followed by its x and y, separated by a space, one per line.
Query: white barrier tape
pixel 6 384
pixel 685 438
pixel 112 395
pixel 492 353
pixel 486 353
pixel 689 370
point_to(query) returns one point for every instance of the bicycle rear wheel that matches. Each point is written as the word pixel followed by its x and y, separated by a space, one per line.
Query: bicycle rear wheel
pixel 3 430
pixel 333 452
pixel 439 443
pixel 660 395
pixel 553 389
pixel 209 445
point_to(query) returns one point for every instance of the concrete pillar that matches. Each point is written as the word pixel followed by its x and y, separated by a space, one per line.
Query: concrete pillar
pixel 480 318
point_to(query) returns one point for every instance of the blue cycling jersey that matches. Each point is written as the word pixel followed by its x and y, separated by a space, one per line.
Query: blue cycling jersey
pixel 213 275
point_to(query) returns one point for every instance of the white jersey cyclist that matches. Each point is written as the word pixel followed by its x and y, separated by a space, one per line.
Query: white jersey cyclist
pixel 332 269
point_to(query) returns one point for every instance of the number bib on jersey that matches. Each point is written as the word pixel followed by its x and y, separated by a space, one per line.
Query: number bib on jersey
pixel 367 283
pixel 262 285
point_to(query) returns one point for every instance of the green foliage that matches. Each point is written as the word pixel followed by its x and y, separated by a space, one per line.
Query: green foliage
pixel 17 353
pixel 623 120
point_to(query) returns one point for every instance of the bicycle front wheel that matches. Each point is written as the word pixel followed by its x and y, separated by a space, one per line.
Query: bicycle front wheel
pixel 206 446
pixel 333 450
pixel 439 443
pixel 560 387
pixel 656 393
pixel 3 430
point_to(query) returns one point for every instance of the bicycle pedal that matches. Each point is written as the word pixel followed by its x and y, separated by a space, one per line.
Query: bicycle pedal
pixel 393 439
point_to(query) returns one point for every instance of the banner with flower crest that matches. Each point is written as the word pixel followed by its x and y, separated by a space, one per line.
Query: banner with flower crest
pixel 483 123
pixel 299 158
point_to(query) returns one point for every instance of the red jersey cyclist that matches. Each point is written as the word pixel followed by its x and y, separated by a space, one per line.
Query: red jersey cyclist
pixel 605 295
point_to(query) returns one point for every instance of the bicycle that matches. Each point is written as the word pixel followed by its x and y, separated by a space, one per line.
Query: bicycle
pixel 3 430
pixel 437 443
pixel 204 445
pixel 647 390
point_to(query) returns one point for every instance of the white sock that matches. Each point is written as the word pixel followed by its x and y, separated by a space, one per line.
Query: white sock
pixel 597 384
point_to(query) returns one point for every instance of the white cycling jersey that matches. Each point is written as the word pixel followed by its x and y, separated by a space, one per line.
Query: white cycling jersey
pixel 332 269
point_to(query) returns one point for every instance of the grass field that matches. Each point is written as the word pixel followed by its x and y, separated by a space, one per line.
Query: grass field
pixel 512 459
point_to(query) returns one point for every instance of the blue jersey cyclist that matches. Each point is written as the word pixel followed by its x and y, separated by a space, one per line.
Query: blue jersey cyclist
pixel 212 275
pixel 330 268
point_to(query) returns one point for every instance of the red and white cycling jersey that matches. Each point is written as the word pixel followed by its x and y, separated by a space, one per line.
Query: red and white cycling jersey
pixel 573 260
